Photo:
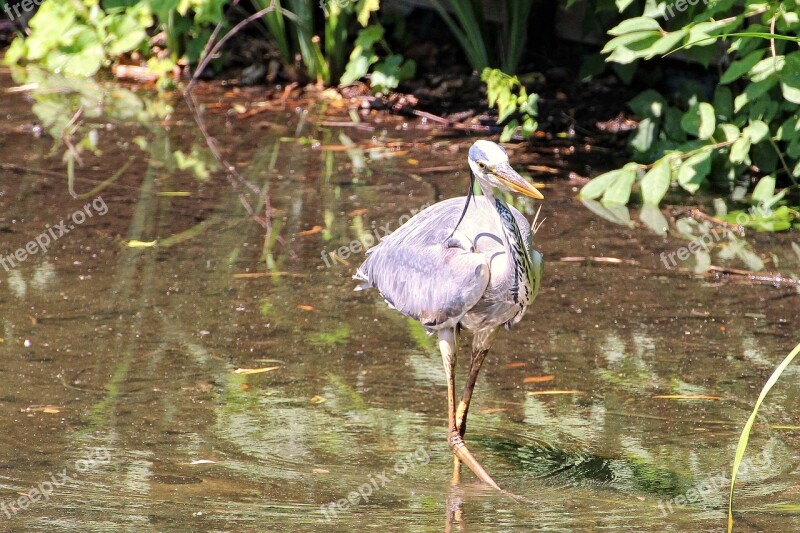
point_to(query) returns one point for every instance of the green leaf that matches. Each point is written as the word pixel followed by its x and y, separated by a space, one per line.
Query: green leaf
pixel 790 78
pixel 699 121
pixel 656 181
pixel 739 150
pixel 790 129
pixel 729 132
pixel 357 68
pixel 753 92
pixel 364 8
pixel 723 103
pixel 633 25
pixel 672 125
pixel 369 36
pixel 791 90
pixel 625 72
pixel 666 43
pixel 694 170
pixel 632 46
pixel 756 131
pixel 619 192
pixel 363 56
pixel 648 103
pixel 508 131
pixel 742 66
pixel 598 186
pixel 766 68
pixel 761 35
pixel 390 72
pixel 622 5
pixel 764 190
pixel 708 121
pixel 128 34
pixel 645 135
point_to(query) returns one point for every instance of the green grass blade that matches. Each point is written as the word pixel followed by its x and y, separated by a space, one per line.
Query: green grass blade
pixel 471 16
pixel 313 59
pixel 466 31
pixel 517 16
pixel 745 436
pixel 275 25
pixel 336 49
pixel 761 35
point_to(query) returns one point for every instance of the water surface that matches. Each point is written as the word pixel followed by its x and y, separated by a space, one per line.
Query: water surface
pixel 120 344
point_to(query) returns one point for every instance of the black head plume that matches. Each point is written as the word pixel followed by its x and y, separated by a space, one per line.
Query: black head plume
pixel 470 194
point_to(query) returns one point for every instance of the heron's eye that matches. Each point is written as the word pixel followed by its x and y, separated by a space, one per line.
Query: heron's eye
pixel 482 165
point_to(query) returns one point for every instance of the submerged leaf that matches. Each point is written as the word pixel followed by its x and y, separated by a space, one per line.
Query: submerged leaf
pixel 538 379
pixel 248 371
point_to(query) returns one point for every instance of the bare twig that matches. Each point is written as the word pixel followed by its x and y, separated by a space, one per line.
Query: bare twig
pixel 769 277
pixel 215 48
pixel 607 260
pixel 772 31
pixel 699 215
pixel 447 122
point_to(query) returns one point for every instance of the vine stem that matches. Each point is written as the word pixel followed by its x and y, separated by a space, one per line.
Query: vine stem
pixel 214 49
pixel 686 155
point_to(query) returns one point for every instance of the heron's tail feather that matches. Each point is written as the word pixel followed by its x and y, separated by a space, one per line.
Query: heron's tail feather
pixel 362 275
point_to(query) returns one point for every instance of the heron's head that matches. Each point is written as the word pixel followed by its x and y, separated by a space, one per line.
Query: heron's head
pixel 490 166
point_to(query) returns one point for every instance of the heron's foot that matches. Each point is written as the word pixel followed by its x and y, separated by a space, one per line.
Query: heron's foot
pixel 459 448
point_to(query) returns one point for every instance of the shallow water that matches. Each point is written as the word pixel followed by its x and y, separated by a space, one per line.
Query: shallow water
pixel 120 343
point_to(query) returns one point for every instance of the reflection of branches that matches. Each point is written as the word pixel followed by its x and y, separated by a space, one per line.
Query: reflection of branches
pixel 233 175
pixel 98 188
pixel 210 51
pixel 767 277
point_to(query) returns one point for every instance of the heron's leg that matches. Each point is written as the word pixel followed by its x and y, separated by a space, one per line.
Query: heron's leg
pixel 455 511
pixel 447 346
pixel 480 347
pixel 466 396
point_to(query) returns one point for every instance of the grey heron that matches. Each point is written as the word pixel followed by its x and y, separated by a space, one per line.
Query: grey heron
pixel 465 262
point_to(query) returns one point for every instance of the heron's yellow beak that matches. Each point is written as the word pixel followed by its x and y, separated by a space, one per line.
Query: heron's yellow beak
pixel 516 183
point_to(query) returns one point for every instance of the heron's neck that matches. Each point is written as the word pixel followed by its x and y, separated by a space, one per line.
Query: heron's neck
pixel 501 209
pixel 519 265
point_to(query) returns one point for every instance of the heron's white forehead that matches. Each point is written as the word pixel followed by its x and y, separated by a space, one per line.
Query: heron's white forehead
pixel 487 151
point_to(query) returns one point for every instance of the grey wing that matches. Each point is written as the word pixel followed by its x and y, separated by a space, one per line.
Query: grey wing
pixel 433 284
pixel 421 276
